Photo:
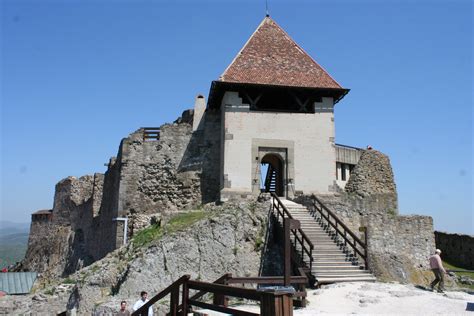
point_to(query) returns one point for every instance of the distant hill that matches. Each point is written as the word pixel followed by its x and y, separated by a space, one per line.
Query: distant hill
pixel 13 242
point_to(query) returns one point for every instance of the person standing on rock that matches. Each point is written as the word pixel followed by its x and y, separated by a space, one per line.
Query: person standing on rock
pixel 142 301
pixel 123 309
pixel 437 267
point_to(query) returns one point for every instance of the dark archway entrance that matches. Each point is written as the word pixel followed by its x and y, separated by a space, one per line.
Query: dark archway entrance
pixel 273 174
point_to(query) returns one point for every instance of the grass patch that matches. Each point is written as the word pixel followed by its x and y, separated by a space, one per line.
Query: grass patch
pixel 258 243
pixel 68 281
pixel 449 266
pixel 176 223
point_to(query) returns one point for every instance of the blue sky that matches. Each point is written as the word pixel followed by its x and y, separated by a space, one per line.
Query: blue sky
pixel 77 76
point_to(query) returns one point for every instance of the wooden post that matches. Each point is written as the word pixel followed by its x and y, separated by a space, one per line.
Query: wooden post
pixel 276 304
pixel 288 225
pixel 366 259
pixel 185 299
pixel 174 301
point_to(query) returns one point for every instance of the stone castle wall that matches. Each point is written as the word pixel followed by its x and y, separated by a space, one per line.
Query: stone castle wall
pixel 147 181
pixel 398 246
pixel 372 179
pixel 457 249
pixel 65 242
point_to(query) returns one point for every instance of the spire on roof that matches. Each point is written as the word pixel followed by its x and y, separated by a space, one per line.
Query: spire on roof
pixel 271 57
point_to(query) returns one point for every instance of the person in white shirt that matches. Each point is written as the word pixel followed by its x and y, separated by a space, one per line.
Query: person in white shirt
pixel 142 301
pixel 436 266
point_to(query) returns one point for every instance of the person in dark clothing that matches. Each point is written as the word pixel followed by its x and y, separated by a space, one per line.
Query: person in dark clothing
pixel 123 309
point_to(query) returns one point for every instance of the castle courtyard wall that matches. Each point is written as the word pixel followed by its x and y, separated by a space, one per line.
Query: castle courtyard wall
pixel 457 249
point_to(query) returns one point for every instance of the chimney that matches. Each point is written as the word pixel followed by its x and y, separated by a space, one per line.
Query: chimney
pixel 199 108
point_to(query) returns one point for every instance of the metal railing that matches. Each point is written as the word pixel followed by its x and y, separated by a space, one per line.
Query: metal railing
pixel 151 133
pixel 329 219
pixel 300 240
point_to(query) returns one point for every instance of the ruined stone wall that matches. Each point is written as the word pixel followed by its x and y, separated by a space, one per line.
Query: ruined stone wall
pixel 373 179
pixel 150 181
pixel 62 245
pixel 147 180
pixel 457 249
pixel 399 247
pixel 174 173
pixel 103 225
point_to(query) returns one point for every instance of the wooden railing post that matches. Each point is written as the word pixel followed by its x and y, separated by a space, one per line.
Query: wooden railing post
pixel 366 257
pixel 276 304
pixel 185 299
pixel 341 230
pixel 174 303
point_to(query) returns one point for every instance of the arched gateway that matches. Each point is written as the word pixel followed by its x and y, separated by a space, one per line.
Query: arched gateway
pixel 272 179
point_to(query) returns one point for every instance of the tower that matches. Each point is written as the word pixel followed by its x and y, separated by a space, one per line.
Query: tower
pixel 276 106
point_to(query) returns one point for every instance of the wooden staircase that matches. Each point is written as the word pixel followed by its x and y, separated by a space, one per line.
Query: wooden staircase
pixel 332 260
pixel 270 180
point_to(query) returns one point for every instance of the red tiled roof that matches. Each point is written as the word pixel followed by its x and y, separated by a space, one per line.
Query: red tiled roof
pixel 271 57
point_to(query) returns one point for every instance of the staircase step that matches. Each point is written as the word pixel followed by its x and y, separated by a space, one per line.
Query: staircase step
pixel 339 273
pixel 330 255
pixel 332 262
pixel 338 266
pixel 345 279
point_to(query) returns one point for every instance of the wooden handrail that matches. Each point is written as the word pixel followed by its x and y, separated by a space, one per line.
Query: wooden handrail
pixel 267 280
pixel 304 240
pixel 336 223
pixel 268 299
pixel 240 292
pixel 175 285
pixel 288 214
pixel 222 280
pixel 222 309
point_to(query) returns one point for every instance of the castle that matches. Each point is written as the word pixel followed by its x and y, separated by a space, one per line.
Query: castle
pixel 268 126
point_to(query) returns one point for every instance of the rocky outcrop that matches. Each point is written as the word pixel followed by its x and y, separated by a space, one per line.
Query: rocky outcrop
pixel 227 240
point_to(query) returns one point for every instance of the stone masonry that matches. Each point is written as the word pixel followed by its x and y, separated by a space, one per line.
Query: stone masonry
pixel 398 246
pixel 148 181
pixel 457 249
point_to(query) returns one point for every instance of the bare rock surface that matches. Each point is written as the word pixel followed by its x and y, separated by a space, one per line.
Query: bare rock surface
pixel 223 242
pixel 226 239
